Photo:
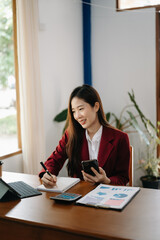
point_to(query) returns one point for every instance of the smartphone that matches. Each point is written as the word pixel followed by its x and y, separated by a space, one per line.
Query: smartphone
pixel 86 166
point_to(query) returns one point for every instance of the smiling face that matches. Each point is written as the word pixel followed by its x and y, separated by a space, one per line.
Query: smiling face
pixel 85 114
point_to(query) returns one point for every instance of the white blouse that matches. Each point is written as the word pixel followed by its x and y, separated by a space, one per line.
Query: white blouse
pixel 93 145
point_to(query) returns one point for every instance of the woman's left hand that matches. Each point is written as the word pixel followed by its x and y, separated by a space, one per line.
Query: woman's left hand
pixel 98 178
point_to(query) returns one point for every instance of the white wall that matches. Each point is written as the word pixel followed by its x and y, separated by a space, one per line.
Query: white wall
pixel 13 164
pixel 123 58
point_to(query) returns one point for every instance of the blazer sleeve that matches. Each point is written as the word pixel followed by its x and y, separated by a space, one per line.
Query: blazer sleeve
pixel 56 160
pixel 121 170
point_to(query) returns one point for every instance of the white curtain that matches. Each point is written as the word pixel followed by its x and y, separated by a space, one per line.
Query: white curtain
pixel 32 126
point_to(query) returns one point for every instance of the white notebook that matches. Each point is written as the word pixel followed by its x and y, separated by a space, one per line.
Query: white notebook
pixel 62 185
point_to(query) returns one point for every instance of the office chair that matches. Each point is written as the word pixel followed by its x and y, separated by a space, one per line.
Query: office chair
pixel 131 167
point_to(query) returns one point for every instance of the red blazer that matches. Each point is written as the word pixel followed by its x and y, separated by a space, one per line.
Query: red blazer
pixel 113 156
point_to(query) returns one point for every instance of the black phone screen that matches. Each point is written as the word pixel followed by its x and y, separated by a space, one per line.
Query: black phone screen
pixel 86 166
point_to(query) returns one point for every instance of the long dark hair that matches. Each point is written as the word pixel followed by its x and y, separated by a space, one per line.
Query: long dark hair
pixel 75 131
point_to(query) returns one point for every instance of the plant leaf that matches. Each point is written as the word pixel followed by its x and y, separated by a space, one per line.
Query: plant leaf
pixel 62 116
pixel 143 118
pixel 118 123
pixel 135 125
pixel 108 116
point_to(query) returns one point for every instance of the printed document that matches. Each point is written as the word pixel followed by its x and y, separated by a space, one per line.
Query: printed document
pixel 108 196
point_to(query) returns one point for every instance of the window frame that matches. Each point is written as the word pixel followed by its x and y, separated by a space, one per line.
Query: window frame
pixel 133 8
pixel 19 150
pixel 158 64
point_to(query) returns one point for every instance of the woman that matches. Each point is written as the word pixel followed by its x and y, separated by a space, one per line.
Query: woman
pixel 89 136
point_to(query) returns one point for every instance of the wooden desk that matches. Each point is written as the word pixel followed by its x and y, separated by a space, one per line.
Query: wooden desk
pixel 41 218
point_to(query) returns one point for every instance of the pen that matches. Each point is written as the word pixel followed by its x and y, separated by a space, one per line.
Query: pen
pixel 46 170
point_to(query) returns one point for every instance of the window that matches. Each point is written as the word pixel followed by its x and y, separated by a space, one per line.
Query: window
pixel 128 4
pixel 10 140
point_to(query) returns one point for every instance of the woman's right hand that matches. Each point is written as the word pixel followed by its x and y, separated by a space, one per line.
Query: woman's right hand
pixel 49 181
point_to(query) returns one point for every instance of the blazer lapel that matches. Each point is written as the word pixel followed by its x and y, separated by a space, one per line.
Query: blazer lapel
pixel 106 146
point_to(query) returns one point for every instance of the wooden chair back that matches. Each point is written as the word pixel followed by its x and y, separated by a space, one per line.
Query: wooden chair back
pixel 131 167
